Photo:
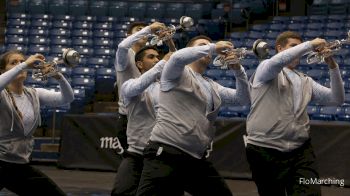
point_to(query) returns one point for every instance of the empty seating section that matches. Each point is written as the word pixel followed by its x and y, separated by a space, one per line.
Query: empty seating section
pixel 95 28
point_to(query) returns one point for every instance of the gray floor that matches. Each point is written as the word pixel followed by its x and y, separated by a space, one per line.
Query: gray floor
pixel 93 183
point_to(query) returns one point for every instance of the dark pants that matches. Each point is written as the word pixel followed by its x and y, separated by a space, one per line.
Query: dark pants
pixel 128 175
pixel 280 173
pixel 121 125
pixel 24 179
pixel 168 171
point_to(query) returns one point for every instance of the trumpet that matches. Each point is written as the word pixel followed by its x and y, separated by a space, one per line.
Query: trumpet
pixel 43 71
pixel 168 32
pixel 334 46
pixel 259 49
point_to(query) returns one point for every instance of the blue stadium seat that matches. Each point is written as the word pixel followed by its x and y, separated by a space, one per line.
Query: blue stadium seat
pixel 338 7
pixel 56 50
pixel 17 23
pixel 57 32
pixel 20 47
pixel 327 113
pixel 250 72
pixel 40 24
pixel 37 40
pixel 312 34
pixel 82 33
pixel 103 34
pixel 88 84
pixel 344 115
pixel 61 41
pixel 16 39
pixel 194 10
pixel 18 6
pixel 83 72
pixel 312 110
pixel 319 7
pixel 317 18
pixel 98 8
pixel 38 32
pixel 37 6
pixel 260 27
pixel 174 10
pixel 84 51
pixel 104 42
pixel 278 27
pixel 42 49
pixel 296 27
pixel 30 81
pixel 256 35
pixel 2 49
pixel 80 99
pixel 155 10
pixel 105 79
pixel 239 35
pixel 333 34
pixel 78 7
pixel 104 53
pixel 315 26
pixel 118 8
pixel 137 9
pixel 336 18
pixel 106 26
pixel 22 16
pixel 97 62
pixel 63 17
pixel 41 17
pixel 272 34
pixel 107 19
pixel 250 63
pixel 228 112
pixel 62 24
pixel 85 18
pixel 85 25
pixel 82 42
pixel 16 31
pixel 298 19
pixel 347 98
pixel 236 17
pixel 280 20
pixel 335 26
pixel 58 7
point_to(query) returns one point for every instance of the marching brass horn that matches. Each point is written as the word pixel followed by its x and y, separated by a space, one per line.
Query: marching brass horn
pixel 43 71
pixel 259 49
pixel 168 32
pixel 334 46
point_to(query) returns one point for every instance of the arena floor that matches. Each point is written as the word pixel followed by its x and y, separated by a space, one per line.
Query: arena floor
pixel 93 183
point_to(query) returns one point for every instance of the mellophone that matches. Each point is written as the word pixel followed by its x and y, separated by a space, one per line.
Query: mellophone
pixel 43 71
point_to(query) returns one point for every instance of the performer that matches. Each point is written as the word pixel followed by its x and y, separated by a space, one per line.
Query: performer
pixel 20 116
pixel 140 97
pixel 126 68
pixel 279 150
pixel 175 157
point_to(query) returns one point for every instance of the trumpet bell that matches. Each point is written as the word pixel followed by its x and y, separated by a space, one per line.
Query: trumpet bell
pixel 260 49
pixel 71 57
pixel 186 22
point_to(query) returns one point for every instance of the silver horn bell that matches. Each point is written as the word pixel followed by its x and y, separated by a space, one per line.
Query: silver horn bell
pixel 43 71
pixel 185 22
pixel 260 49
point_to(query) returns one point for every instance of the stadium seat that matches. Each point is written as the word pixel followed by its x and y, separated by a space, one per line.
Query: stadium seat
pixel 327 113
pixel 106 26
pixel 17 23
pixel 316 74
pixel 18 6
pixel 62 24
pixel 105 79
pixel 42 49
pixel 61 41
pixel 104 42
pixel 194 10
pixel 88 84
pixel 260 27
pixel 280 20
pixel 78 7
pixel 319 7
pixel 16 39
pixel 106 19
pixel 16 31
pixel 58 32
pixel 256 35
pixel 82 33
pixel 30 81
pixel 58 7
pixel 38 32
pixel 344 115
pixel 82 42
pixel 83 72
pixel 155 10
pixel 103 34
pixel 118 9
pixel 98 8
pixel 84 25
pixel 338 7
pixel 84 51
pixel 215 73
pixel 104 53
pixel 22 16
pixel 298 19
pixel 37 6
pixel 335 26
pixel 174 10
pixel 97 62
pixel 137 9
pixel 37 40
pixel 19 47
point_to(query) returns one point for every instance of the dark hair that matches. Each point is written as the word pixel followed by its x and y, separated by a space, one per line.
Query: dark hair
pixel 141 53
pixel 190 43
pixel 282 39
pixel 135 24
pixel 4 58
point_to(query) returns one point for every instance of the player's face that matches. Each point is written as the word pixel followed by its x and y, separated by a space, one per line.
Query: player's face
pixel 201 42
pixel 291 42
pixel 150 58
pixel 13 60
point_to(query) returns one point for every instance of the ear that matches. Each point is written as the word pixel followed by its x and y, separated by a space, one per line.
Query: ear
pixel 139 65
pixel 278 48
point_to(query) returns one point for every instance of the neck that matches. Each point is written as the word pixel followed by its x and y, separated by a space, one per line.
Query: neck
pixel 16 87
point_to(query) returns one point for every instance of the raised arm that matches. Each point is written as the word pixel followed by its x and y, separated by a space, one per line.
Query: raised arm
pixel 330 96
pixel 134 87
pixel 240 95
pixel 174 67
pixel 269 69
pixel 122 61
pixel 8 76
pixel 49 98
